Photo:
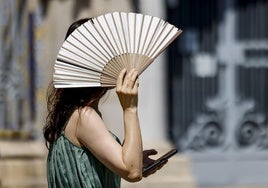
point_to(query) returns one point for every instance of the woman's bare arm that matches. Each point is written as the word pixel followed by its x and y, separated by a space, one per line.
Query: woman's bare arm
pixel 92 133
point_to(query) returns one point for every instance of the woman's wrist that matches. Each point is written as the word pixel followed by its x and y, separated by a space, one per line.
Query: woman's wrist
pixel 131 110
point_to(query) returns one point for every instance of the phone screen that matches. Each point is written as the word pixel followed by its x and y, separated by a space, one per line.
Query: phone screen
pixel 159 161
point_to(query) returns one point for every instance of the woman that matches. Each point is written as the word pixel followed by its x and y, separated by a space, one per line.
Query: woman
pixel 82 151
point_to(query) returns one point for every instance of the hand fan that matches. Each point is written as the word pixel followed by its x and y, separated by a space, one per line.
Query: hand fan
pixel 95 53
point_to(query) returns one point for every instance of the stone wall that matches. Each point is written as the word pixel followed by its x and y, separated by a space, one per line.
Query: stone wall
pixel 22 164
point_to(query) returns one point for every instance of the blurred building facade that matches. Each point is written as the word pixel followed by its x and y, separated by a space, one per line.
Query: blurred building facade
pixel 218 94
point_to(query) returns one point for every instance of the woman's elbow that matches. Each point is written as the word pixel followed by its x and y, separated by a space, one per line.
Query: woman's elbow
pixel 134 177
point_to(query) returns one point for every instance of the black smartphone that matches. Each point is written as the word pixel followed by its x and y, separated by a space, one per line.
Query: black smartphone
pixel 159 161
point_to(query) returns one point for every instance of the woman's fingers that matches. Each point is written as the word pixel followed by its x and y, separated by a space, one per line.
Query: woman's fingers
pixel 127 88
pixel 120 78
pixel 150 152
pixel 130 79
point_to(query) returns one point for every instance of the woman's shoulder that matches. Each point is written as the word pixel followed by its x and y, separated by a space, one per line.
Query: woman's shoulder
pixel 87 116
pixel 81 120
pixel 85 110
pixel 86 113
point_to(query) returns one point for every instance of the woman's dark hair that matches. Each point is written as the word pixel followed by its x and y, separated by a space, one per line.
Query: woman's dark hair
pixel 62 102
pixel 75 25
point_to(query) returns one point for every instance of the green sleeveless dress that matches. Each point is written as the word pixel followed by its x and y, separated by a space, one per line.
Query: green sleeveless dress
pixel 71 166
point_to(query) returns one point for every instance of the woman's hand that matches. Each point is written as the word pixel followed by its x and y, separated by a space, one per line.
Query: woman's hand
pixel 127 89
pixel 148 161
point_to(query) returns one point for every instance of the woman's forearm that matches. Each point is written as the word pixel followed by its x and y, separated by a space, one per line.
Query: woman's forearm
pixel 127 91
pixel 132 147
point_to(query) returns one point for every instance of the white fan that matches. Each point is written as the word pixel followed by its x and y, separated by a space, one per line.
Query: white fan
pixel 95 53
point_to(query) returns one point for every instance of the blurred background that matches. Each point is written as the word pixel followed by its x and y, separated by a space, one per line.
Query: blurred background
pixel 205 95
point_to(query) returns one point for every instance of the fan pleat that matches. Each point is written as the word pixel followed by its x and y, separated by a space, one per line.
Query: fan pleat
pixel 87 30
pixel 73 84
pixel 155 38
pixel 173 35
pixel 95 53
pixel 78 73
pixel 114 36
pixel 66 68
pixel 64 65
pixel 73 52
pixel 102 24
pixel 113 44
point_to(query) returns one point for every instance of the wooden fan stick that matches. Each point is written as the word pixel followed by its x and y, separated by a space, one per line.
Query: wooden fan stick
pixel 110 68
pixel 109 71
